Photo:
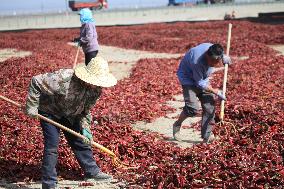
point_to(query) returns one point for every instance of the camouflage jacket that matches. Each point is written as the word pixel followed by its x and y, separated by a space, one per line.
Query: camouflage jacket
pixel 62 94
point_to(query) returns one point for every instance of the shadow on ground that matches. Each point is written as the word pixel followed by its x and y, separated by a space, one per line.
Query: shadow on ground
pixel 273 18
pixel 187 141
pixel 13 172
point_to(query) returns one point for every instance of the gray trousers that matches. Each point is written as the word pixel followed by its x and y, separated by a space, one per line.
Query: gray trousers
pixel 191 95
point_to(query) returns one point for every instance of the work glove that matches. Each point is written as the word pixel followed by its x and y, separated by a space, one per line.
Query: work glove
pixel 32 112
pixel 79 44
pixel 76 40
pixel 227 60
pixel 220 95
pixel 86 132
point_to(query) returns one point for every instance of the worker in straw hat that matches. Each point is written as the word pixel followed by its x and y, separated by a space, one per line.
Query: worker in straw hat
pixel 193 73
pixel 67 96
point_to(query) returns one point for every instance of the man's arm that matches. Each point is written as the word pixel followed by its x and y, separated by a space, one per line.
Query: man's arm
pixel 210 89
pixel 197 74
pixel 205 83
pixel 86 116
pixel 216 92
pixel 90 32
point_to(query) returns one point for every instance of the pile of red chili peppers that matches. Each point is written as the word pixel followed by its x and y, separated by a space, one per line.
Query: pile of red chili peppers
pixel 249 154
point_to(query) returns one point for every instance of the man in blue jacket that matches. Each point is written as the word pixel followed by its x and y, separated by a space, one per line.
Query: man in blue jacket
pixel 193 73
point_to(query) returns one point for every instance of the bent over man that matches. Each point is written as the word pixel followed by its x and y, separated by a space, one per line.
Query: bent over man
pixel 67 96
pixel 193 73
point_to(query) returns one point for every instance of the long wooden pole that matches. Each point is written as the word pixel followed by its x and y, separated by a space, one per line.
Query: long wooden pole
pixel 76 57
pixel 97 145
pixel 226 73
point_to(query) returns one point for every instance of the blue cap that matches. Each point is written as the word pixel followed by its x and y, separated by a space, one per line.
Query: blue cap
pixel 86 16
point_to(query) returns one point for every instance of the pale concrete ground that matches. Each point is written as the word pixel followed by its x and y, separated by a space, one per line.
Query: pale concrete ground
pixel 162 125
pixel 9 53
pixel 65 184
pixel 279 48
pixel 140 16
pixel 121 61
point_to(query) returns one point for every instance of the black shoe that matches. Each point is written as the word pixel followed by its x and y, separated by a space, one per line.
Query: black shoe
pixel 46 187
pixel 176 131
pixel 99 177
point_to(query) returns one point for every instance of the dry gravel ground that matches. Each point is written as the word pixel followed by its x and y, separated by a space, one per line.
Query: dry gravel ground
pixel 121 62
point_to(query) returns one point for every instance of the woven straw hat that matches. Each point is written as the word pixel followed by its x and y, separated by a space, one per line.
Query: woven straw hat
pixel 96 73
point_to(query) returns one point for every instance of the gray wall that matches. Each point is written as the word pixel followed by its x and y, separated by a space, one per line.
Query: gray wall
pixel 140 16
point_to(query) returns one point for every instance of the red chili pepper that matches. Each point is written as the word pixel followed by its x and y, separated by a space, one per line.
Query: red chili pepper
pixel 250 151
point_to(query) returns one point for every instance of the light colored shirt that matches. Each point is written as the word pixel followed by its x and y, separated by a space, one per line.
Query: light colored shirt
pixel 89 37
pixel 193 69
pixel 62 94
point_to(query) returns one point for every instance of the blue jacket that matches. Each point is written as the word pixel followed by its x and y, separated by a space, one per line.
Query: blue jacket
pixel 193 69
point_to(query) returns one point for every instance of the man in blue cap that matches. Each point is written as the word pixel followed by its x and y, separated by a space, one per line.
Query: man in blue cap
pixel 193 73
pixel 88 35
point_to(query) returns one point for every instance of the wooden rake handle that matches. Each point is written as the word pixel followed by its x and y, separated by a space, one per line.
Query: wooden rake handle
pixel 97 145
pixel 226 73
pixel 76 57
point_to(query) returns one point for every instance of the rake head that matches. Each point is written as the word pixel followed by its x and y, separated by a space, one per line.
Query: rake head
pixel 116 162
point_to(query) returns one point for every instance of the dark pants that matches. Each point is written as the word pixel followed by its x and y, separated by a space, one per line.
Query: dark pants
pixel 191 95
pixel 82 151
pixel 89 56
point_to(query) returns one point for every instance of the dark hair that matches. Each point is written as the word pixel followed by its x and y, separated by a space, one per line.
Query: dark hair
pixel 215 51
